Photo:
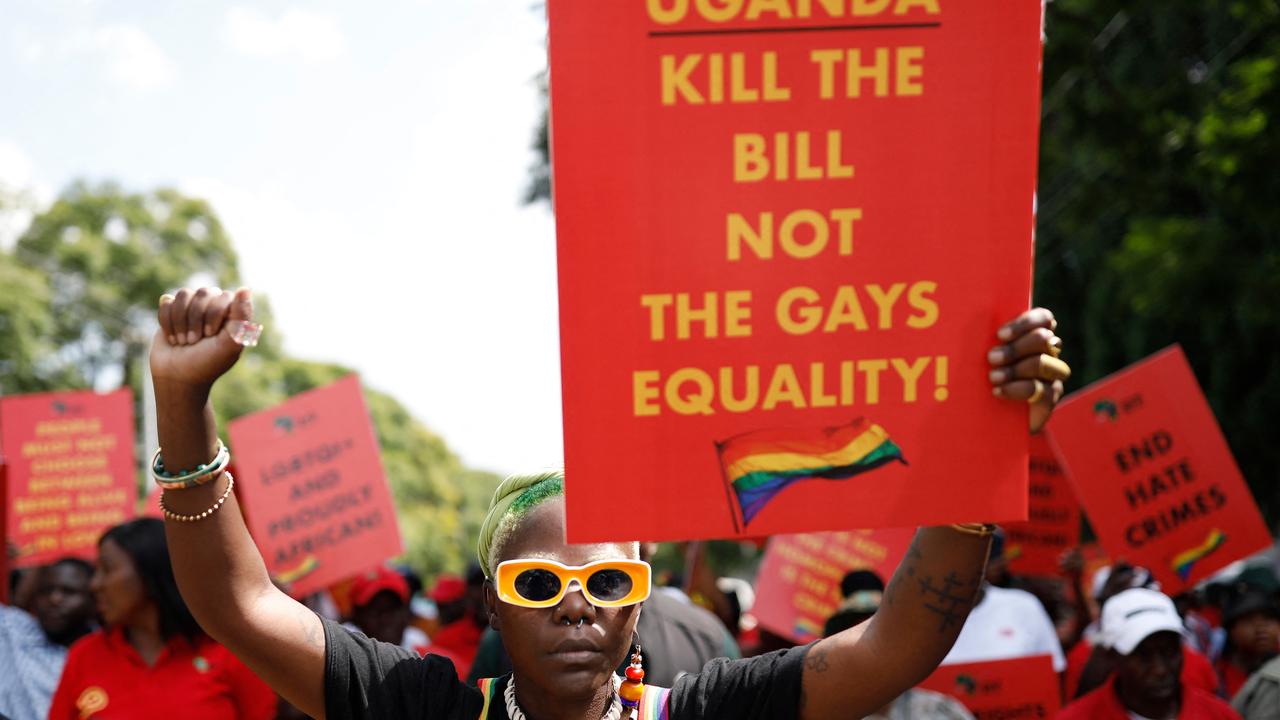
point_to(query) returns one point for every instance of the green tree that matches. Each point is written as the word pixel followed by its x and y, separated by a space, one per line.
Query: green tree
pixel 106 256
pixel 77 309
pixel 1158 220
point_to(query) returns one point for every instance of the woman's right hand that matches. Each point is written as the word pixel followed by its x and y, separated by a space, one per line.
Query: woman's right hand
pixel 195 344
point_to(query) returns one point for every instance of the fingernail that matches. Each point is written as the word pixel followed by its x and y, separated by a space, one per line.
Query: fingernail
pixel 998 391
pixel 995 376
pixel 173 340
pixel 995 356
pixel 1005 333
pixel 192 337
pixel 209 331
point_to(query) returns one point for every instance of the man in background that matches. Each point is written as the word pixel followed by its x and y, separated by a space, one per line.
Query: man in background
pixel 1144 635
pixel 33 647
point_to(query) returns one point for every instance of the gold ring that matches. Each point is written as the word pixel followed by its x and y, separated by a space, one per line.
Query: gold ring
pixel 1039 393
pixel 1055 346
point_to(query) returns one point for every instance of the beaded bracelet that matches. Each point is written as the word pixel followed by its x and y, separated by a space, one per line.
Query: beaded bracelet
pixel 193 478
pixel 979 529
pixel 170 515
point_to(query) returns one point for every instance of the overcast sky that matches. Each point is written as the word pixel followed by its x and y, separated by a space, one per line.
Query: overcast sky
pixel 367 159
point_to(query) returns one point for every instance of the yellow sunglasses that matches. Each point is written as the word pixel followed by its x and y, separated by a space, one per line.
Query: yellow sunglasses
pixel 537 583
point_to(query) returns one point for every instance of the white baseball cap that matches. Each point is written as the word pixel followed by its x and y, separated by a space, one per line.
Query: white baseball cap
pixel 1132 616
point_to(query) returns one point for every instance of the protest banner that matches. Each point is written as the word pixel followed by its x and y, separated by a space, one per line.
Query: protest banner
pixel 1025 687
pixel 315 494
pixel 787 233
pixel 1154 473
pixel 70 471
pixel 1035 547
pixel 798 584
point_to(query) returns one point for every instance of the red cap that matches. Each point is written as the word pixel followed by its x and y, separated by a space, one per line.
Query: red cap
pixel 448 588
pixel 371 582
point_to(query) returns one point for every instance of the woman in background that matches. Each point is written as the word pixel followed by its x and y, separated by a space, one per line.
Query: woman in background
pixel 152 659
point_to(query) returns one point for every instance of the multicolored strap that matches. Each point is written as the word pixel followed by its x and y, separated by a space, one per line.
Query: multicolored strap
pixel 487 688
pixel 653 703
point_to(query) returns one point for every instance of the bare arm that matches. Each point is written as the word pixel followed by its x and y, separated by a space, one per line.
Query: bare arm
pixel 219 570
pixel 858 671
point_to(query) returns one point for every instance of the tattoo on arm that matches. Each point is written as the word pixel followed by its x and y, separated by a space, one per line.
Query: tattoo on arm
pixel 312 632
pixel 949 600
pixel 907 570
pixel 816 660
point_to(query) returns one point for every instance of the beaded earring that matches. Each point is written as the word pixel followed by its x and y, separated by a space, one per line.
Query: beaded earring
pixel 632 688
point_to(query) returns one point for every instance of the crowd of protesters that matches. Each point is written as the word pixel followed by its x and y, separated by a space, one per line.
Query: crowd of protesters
pixel 78 633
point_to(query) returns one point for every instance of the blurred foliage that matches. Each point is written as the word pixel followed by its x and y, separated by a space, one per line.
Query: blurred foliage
pixel 1159 200
pixel 1158 215
pixel 77 311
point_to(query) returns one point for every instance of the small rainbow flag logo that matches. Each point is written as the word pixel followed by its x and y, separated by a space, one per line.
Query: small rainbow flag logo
pixel 1185 560
pixel 760 464
pixel 806 627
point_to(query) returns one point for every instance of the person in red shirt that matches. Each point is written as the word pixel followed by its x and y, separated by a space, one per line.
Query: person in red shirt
pixel 459 634
pixel 1089 664
pixel 151 660
pixel 1145 634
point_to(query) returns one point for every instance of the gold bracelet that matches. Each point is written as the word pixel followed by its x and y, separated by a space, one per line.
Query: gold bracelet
pixel 169 515
pixel 979 529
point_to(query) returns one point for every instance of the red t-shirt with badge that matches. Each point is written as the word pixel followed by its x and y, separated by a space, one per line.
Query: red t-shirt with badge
pixel 1104 704
pixel 106 678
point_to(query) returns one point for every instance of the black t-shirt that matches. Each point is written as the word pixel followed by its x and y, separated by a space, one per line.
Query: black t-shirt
pixel 366 679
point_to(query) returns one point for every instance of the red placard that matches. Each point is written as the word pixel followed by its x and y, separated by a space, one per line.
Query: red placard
pixel 70 471
pixel 787 233
pixel 315 495
pixel 1154 473
pixel 1034 547
pixel 798 584
pixel 1025 687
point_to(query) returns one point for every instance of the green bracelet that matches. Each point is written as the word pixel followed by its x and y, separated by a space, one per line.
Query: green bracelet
pixel 191 478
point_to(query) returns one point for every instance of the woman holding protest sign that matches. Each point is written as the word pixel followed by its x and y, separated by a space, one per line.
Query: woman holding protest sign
pixel 567 613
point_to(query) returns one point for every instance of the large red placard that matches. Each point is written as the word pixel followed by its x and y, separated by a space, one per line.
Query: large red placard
pixel 1154 472
pixel 787 233
pixel 70 471
pixel 798 584
pixel 1025 687
pixel 314 491
pixel 1036 546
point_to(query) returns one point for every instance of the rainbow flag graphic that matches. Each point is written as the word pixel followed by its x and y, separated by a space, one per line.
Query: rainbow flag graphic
pixel 807 628
pixel 758 465
pixel 1185 560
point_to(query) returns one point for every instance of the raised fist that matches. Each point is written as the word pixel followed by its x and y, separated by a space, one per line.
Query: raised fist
pixel 202 333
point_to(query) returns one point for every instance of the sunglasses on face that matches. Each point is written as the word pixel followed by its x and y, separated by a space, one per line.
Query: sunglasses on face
pixel 535 583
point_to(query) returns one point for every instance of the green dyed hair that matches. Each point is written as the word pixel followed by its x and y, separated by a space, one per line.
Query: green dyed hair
pixel 513 499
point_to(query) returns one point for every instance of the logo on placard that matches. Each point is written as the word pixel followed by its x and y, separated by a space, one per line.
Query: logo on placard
pixel 1186 560
pixel 1105 410
pixel 966 684
pixel 62 407
pixel 1108 410
pixel 93 700
pixel 760 464
pixel 286 424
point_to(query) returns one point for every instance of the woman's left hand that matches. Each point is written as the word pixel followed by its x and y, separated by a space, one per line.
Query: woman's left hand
pixel 1026 366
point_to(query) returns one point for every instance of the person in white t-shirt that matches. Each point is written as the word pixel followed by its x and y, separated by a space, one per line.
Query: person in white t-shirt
pixel 1006 624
